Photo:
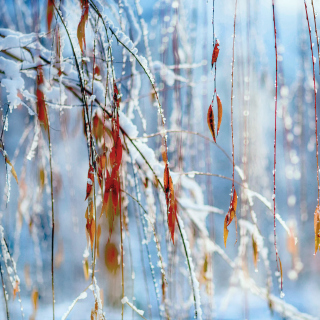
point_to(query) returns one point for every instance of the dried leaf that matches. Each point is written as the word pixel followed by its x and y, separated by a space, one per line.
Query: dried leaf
pixel 316 229
pixel 225 231
pixel 16 289
pixel 34 299
pixel 281 274
pixel 111 257
pixel 41 105
pixel 255 252
pixel 90 181
pixel 116 97
pixel 50 10
pixel 82 25
pixel 166 177
pixel 215 53
pixel 210 121
pixel 219 113
pixel 13 171
pixel 172 216
pixel 230 215
pixel 86 269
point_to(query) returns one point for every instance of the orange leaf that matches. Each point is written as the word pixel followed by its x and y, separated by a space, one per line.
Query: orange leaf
pixel 230 215
pixel 225 230
pixel 219 113
pixel 82 25
pixel 215 53
pixel 210 121
pixel 166 177
pixel 234 200
pixel 16 289
pixel 316 229
pixel 34 298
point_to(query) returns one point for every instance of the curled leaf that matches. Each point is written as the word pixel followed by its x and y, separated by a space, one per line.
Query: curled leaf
pixel 215 53
pixel 219 113
pixel 210 121
pixel 230 215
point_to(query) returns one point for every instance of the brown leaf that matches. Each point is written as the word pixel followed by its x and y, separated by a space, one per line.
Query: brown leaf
pixel 210 121
pixel 215 53
pixel 86 269
pixel 219 113
pixel 255 252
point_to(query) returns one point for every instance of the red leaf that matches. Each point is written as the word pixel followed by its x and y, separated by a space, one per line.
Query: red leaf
pixel 116 94
pixel 41 105
pixel 172 216
pixel 215 53
pixel 111 257
pixel 210 121
pixel 219 113
pixel 166 177
pixel 90 181
pixel 50 10
pixel 82 25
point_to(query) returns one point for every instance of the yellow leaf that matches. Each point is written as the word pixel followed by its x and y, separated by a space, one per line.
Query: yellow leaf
pixel 12 169
pixel 225 231
pixel 219 113
pixel 316 229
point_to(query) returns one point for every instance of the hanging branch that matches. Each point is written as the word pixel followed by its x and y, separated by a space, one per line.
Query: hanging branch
pixel 315 99
pixel 316 31
pixel 275 136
